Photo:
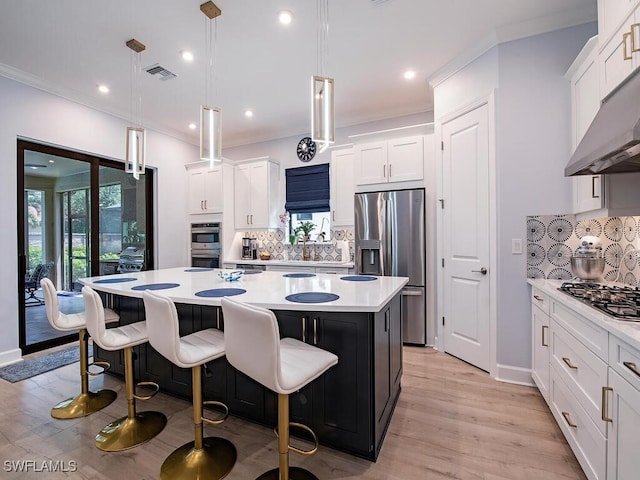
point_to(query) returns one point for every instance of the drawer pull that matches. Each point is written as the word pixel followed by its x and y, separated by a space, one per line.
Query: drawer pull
pixel 544 327
pixel 569 364
pixel 539 298
pixel 604 404
pixel 566 419
pixel 626 46
pixel 632 366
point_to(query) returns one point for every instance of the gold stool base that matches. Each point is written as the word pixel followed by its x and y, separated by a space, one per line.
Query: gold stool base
pixel 213 461
pixel 128 432
pixel 83 404
pixel 295 473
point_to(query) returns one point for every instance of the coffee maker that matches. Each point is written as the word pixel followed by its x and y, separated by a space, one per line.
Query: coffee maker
pixel 247 254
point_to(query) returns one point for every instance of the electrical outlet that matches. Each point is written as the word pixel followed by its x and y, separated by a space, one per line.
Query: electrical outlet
pixel 516 246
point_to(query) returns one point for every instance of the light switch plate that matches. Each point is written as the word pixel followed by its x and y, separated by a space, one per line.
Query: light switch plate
pixel 516 246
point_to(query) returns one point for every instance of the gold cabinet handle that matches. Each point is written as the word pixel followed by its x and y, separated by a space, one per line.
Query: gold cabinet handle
pixel 569 364
pixel 626 40
pixel 635 32
pixel 593 186
pixel 604 404
pixel 632 366
pixel 315 331
pixel 539 298
pixel 304 329
pixel 566 419
pixel 544 327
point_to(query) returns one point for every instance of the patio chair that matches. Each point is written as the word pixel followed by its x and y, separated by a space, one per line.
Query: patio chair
pixel 32 284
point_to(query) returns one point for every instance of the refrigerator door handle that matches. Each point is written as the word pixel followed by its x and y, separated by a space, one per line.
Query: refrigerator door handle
pixel 411 293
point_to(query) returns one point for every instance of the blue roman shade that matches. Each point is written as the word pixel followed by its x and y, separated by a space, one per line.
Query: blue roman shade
pixel 308 189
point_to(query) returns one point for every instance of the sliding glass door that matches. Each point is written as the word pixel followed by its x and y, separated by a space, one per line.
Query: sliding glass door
pixel 81 216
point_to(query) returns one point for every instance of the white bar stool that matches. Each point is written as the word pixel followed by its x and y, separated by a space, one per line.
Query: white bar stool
pixel 86 402
pixel 137 427
pixel 210 458
pixel 253 345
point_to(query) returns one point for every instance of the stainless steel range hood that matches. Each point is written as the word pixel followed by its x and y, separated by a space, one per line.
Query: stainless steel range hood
pixel 612 142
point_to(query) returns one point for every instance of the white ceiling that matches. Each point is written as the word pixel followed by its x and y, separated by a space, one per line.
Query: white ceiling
pixel 68 47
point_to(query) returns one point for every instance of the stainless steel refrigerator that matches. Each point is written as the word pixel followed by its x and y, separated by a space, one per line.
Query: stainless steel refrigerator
pixel 390 241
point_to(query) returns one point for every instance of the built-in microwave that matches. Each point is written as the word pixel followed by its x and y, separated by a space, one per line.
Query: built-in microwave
pixel 205 236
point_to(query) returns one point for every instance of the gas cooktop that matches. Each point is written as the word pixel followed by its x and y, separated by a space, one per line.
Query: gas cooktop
pixel 622 303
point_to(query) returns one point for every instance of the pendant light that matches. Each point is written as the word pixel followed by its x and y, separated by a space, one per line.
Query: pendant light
pixel 135 146
pixel 322 92
pixel 210 117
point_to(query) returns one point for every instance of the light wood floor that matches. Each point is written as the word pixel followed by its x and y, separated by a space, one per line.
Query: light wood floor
pixel 452 421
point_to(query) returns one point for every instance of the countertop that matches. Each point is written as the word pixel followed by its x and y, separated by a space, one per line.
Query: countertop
pixel 265 289
pixel 625 330
pixel 291 263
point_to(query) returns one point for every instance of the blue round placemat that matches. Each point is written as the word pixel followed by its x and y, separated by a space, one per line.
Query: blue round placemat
pixel 155 286
pixel 312 297
pixel 220 292
pixel 251 271
pixel 359 278
pixel 116 280
pixel 198 269
pixel 299 275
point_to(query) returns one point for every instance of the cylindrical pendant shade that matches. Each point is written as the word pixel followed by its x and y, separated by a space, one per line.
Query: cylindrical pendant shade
pixel 210 134
pixel 322 114
pixel 135 161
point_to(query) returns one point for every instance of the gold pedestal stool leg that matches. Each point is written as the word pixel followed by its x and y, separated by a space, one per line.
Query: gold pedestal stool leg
pixel 86 402
pixel 136 428
pixel 210 458
pixel 284 471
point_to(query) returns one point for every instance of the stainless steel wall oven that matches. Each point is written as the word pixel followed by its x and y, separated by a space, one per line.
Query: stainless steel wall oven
pixel 206 247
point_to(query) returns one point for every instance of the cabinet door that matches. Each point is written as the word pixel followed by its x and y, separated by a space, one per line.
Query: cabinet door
pixel 540 350
pixel 212 190
pixel 242 196
pixel 196 194
pixel 588 193
pixel 342 395
pixel 613 66
pixel 622 445
pixel 371 163
pixel 405 159
pixel 259 193
pixel 342 187
pixel 610 14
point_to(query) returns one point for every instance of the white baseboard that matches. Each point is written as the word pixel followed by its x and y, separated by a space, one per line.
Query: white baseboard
pixel 10 356
pixel 516 375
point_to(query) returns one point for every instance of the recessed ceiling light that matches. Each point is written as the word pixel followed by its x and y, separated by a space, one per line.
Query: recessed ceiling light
pixel 410 74
pixel 52 161
pixel 103 89
pixel 186 55
pixel 285 17
pixel 248 113
pixel 192 126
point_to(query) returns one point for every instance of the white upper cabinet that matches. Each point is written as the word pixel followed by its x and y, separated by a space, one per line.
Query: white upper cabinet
pixel 396 160
pixel 617 61
pixel 342 187
pixel 256 198
pixel 205 189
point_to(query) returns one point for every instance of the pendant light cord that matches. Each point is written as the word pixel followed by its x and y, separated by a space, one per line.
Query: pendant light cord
pixel 322 31
pixel 136 94
pixel 211 34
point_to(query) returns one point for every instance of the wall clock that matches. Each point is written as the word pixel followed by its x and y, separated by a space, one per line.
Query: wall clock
pixel 306 149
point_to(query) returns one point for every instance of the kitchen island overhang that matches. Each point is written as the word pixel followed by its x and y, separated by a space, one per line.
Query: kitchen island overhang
pixel 349 407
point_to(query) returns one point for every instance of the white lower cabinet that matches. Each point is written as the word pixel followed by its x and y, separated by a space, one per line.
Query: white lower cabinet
pixel 592 388
pixel 540 346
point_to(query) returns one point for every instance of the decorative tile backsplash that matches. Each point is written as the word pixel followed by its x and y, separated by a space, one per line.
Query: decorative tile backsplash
pixel 276 243
pixel 553 239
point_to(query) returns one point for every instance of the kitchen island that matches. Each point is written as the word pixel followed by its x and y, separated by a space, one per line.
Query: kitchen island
pixel 349 407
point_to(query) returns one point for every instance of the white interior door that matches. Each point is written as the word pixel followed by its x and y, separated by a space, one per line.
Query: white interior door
pixel 465 221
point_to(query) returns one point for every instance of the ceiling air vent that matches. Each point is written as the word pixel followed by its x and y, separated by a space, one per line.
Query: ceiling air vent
pixel 158 69
pixel 378 2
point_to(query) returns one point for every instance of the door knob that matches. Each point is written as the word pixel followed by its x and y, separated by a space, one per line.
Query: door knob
pixel 483 271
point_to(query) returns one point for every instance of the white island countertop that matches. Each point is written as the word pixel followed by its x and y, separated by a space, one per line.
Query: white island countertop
pixel 292 263
pixel 623 329
pixel 265 289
